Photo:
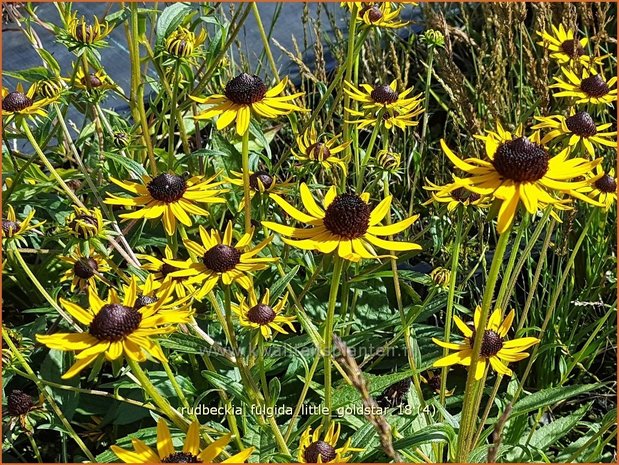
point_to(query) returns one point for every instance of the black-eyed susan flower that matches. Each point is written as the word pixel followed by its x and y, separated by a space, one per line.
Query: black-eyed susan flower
pixel 378 14
pixel 169 196
pixel 347 225
pixel 97 81
pixel 602 187
pixel 382 96
pixel 453 194
pixel 191 453
pixel 121 139
pixel 494 348
pixel 246 95
pixel 20 408
pixel 313 449
pixel 84 271
pixel 389 162
pixel 115 329
pixel 88 34
pixel 259 314
pixel 85 224
pixel 580 128
pixel 565 47
pixel 323 151
pixel 50 88
pixel 589 87
pixel 440 277
pixel 14 229
pixel 182 43
pixel 19 104
pixel 400 118
pixel 519 169
pixel 220 260
pixel 160 272
pixel 260 182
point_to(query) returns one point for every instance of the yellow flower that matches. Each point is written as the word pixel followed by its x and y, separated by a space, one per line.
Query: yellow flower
pixel 20 104
pixel 260 315
pixel 161 271
pixel 494 348
pixel 87 34
pixel 220 260
pixel 520 169
pixel 453 194
pixel 86 224
pixel 389 162
pixel 191 452
pixel 565 48
pixel 246 95
pixel 602 187
pixel 380 97
pixel 168 195
pixel 50 88
pixel 441 276
pixel 313 449
pixel 590 87
pixel 260 182
pixel 115 329
pixel 378 14
pixel 580 127
pixel 98 80
pixel 182 42
pixel 14 229
pixel 84 270
pixel 346 224
pixel 313 150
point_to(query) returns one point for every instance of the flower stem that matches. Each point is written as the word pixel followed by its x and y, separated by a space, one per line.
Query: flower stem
pixel 473 387
pixel 350 60
pixel 263 376
pixel 171 123
pixel 157 398
pixel 368 152
pixel 246 186
pixel 175 385
pixel 49 398
pixel 265 40
pixel 338 265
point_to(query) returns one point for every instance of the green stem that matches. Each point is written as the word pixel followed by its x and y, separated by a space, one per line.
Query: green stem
pixel 175 385
pixel 350 60
pixel 246 186
pixel 157 398
pixel 49 398
pixel 473 387
pixel 263 376
pixel 171 123
pixel 265 40
pixel 368 152
pixel 35 448
pixel 338 265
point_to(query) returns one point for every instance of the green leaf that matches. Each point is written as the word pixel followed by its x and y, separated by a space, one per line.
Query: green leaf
pixel 345 394
pixel 130 165
pixel 550 396
pixel 31 75
pixel 171 17
pixel 439 432
pixel 227 384
pixel 277 289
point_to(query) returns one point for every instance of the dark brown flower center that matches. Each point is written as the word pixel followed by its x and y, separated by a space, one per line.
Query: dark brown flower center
pixel 167 187
pixel 594 86
pixel 77 226
pixel 462 195
pixel 85 268
pixel 167 269
pixel 435 382
pixel 606 184
pixel 10 227
pixel 143 301
pixel 491 343
pixel 181 457
pixel 85 33
pixel 261 314
pixel 16 101
pixel 347 216
pixel 374 13
pixel 521 160
pixel 319 448
pixel 318 152
pixel 265 178
pixel 394 395
pixel 245 89
pixel 572 48
pixel 19 403
pixel 92 80
pixel 384 95
pixel 114 322
pixel 221 258
pixel 581 124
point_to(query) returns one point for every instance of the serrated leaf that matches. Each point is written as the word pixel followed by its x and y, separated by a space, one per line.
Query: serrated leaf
pixel 131 165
